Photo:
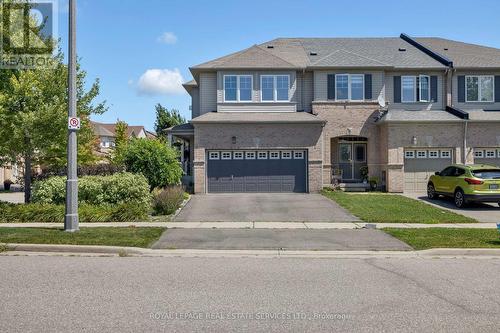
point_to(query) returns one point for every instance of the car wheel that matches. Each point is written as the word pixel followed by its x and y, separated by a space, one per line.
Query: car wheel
pixel 459 199
pixel 431 192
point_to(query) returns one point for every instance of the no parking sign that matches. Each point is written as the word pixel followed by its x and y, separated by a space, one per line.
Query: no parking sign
pixel 73 123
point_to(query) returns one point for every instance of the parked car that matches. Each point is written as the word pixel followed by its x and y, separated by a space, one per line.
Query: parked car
pixel 466 183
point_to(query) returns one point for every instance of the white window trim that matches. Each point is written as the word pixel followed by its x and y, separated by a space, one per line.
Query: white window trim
pixel 498 153
pixel 420 89
pixel 247 153
pixel 225 158
pixel 409 154
pixel 238 153
pixel 445 154
pixel 286 152
pixel 421 151
pixel 479 90
pixel 213 155
pixel 434 151
pixel 299 153
pixel 277 157
pixel 262 152
pixel 238 76
pixel 478 153
pixel 349 88
pixel 275 88
pixel 490 151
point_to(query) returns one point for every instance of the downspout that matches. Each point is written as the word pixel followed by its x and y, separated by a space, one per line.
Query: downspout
pixel 464 158
pixel 302 89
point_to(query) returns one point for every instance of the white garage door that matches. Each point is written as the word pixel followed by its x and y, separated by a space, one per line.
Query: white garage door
pixel 420 164
pixel 489 156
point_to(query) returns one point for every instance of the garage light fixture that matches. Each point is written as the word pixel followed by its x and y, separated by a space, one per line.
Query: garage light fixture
pixel 414 140
pixel 233 140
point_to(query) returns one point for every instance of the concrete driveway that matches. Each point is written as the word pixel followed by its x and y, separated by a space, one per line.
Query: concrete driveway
pixel 263 207
pixel 489 213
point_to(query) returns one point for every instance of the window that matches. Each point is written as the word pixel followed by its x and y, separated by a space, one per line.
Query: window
pixel 213 155
pixel 498 153
pixel 238 155
pixel 478 153
pixel 274 155
pixel 286 155
pixel 433 153
pixel 449 171
pixel 298 155
pixel 350 87
pixel 250 155
pixel 479 88
pixel 445 154
pixel 262 155
pixel 491 153
pixel 226 155
pixel 410 154
pixel 237 88
pixel 421 153
pixel 415 89
pixel 274 88
pixel 408 87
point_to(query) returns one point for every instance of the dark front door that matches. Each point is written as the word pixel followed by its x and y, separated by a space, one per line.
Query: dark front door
pixel 352 157
pixel 257 171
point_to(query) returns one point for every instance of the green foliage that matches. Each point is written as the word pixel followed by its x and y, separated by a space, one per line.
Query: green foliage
pixel 166 118
pixel 35 212
pixel 167 200
pixel 156 161
pixel 121 141
pixel 96 190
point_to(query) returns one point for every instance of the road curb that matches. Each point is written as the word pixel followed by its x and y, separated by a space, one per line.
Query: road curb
pixel 46 249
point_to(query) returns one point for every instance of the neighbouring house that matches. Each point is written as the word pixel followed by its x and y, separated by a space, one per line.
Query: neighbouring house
pixel 10 172
pixel 298 114
pixel 107 134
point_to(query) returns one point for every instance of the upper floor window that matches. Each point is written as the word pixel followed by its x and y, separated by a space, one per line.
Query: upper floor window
pixel 415 89
pixel 237 88
pixel 274 88
pixel 479 88
pixel 350 87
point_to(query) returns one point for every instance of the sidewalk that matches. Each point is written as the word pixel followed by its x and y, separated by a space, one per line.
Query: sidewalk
pixel 256 225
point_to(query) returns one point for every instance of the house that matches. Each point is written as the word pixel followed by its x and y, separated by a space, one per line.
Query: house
pixel 107 135
pixel 298 114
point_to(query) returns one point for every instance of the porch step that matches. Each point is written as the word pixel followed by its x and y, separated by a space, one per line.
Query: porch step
pixel 354 187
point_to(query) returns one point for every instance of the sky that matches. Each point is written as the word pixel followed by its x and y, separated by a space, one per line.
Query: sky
pixel 141 50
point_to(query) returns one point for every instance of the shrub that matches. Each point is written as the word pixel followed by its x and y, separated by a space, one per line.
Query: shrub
pixel 167 200
pixel 55 213
pixel 83 170
pixel 96 190
pixel 155 160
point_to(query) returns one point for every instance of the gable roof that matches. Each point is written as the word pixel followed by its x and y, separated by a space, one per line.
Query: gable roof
pixel 102 129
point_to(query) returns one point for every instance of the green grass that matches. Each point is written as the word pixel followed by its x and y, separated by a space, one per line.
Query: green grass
pixel 128 236
pixel 388 208
pixel 421 239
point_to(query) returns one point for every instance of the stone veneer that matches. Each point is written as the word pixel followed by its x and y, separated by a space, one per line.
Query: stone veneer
pixel 258 136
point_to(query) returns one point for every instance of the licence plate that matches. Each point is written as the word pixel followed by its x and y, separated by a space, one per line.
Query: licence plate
pixel 493 186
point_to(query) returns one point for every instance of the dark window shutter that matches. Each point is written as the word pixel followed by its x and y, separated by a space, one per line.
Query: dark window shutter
pixel 461 89
pixel 434 88
pixel 497 89
pixel 331 86
pixel 397 89
pixel 368 87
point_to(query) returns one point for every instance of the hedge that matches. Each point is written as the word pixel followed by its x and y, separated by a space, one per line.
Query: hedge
pixel 115 189
pixel 19 213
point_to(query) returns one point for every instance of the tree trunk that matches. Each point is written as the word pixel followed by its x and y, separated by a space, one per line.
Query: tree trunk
pixel 27 178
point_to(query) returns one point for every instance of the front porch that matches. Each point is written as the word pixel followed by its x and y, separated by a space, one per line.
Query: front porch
pixel 182 137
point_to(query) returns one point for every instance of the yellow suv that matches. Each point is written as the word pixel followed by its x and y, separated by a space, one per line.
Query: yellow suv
pixel 466 183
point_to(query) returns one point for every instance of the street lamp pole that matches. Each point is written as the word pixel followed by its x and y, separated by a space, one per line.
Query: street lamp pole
pixel 71 216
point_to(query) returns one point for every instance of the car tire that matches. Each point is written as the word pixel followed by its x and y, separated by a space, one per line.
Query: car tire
pixel 459 199
pixel 431 192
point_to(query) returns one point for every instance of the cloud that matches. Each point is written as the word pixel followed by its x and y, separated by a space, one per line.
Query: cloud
pixel 168 38
pixel 160 82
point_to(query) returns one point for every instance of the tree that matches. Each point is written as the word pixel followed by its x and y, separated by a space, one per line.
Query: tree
pixel 156 161
pixel 121 142
pixel 165 119
pixel 33 118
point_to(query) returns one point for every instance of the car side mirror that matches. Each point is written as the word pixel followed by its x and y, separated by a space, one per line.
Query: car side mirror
pixel 437 173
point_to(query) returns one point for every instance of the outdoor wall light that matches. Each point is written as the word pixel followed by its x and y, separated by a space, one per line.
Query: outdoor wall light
pixel 414 140
pixel 233 140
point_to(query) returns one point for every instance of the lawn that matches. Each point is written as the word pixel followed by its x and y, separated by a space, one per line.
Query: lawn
pixel 421 239
pixel 389 208
pixel 126 236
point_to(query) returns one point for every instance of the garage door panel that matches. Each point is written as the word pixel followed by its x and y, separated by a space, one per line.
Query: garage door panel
pixel 418 170
pixel 489 161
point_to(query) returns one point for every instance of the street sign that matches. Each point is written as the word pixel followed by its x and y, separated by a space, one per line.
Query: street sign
pixel 73 123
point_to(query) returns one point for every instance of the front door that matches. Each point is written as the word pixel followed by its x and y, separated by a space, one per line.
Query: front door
pixel 352 157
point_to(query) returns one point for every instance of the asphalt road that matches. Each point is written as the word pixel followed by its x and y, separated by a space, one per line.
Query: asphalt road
pixel 93 294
